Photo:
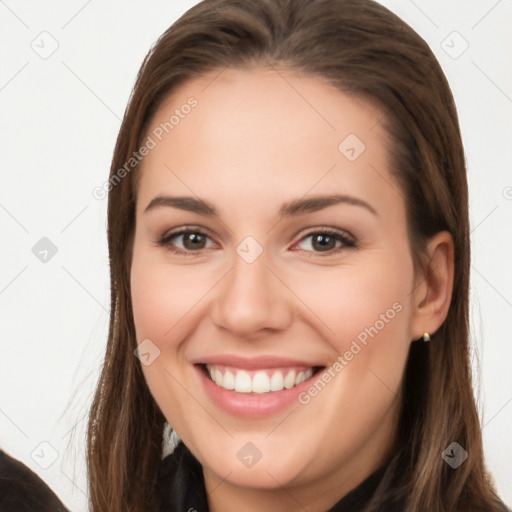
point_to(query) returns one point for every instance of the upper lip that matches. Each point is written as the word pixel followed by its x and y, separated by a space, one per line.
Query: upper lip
pixel 250 363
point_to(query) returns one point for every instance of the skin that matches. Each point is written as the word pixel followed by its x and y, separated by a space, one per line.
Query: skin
pixel 252 143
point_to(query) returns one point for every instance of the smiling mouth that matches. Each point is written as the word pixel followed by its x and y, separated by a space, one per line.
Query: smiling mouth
pixel 260 381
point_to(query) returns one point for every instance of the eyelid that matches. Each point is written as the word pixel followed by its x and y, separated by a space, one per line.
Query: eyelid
pixel 347 239
pixel 165 240
pixel 185 229
pixel 342 233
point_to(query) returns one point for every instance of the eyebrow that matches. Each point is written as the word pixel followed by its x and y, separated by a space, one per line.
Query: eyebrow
pixel 294 207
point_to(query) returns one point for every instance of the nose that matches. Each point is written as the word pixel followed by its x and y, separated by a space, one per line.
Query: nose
pixel 252 299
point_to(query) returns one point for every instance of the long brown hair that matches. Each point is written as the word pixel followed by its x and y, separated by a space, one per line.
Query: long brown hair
pixel 363 49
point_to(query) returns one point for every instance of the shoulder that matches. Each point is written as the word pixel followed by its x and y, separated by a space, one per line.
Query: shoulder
pixel 21 490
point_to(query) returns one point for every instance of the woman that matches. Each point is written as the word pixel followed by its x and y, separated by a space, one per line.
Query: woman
pixel 289 250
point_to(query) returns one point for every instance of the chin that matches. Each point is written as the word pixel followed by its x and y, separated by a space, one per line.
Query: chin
pixel 275 463
pixel 262 476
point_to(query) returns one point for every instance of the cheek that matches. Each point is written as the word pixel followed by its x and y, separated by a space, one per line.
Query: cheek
pixel 162 296
pixel 349 300
pixel 166 302
pixel 367 309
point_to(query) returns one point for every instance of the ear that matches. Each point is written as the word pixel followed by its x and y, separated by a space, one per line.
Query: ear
pixel 432 293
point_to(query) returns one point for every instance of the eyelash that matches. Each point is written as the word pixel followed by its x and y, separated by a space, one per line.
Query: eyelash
pixel 346 240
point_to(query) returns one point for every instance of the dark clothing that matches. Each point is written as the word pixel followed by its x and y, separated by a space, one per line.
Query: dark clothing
pixel 181 485
pixel 21 490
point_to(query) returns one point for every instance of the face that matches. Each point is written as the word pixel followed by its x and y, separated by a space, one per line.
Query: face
pixel 271 256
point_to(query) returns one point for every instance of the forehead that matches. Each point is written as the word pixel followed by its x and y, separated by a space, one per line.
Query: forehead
pixel 264 132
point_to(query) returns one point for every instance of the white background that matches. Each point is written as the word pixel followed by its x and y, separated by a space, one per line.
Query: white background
pixel 59 121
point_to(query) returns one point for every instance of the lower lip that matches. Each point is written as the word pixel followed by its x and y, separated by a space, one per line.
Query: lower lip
pixel 250 405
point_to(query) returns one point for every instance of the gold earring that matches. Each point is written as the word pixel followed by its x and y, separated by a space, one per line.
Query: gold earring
pixel 426 337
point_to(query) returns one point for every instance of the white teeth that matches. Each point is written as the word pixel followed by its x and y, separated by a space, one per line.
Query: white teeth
pixel 302 376
pixel 229 380
pixel 243 382
pixel 289 380
pixel 260 383
pixel 218 378
pixel 276 381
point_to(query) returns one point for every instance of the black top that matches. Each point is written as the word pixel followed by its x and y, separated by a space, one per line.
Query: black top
pixel 21 490
pixel 181 485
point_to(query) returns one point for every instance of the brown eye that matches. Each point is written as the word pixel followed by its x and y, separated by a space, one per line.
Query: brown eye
pixel 186 241
pixel 326 241
pixel 323 242
pixel 193 241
